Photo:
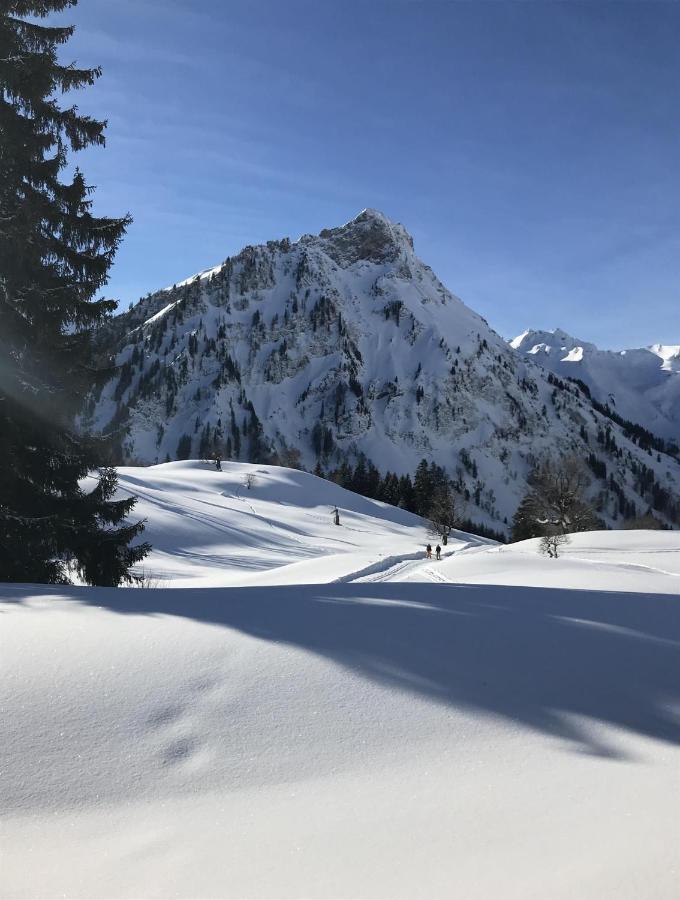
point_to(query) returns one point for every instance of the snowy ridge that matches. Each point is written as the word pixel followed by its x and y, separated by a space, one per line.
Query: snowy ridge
pixel 346 343
pixel 635 383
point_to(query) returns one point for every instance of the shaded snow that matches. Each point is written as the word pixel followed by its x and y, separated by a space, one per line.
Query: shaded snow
pixel 391 734
pixel 363 740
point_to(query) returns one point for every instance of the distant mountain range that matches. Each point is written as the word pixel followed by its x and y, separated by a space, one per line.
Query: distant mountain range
pixel 345 343
pixel 642 385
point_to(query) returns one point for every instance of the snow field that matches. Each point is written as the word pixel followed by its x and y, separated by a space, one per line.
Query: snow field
pixel 297 715
pixel 208 529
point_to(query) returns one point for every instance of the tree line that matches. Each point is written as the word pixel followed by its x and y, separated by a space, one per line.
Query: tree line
pixel 431 493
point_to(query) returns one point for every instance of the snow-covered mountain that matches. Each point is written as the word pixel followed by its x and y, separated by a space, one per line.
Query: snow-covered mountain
pixel 346 343
pixel 642 385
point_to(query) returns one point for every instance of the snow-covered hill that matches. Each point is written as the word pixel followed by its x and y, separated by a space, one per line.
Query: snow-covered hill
pixel 383 730
pixel 345 343
pixel 642 385
pixel 210 528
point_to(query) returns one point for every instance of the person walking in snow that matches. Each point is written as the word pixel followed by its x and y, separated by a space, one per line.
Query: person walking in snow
pixel 428 551
pixel 218 462
pixel 336 516
pixel 438 551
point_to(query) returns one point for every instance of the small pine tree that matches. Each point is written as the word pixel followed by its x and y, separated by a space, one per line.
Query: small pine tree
pixel 422 489
pixel 184 447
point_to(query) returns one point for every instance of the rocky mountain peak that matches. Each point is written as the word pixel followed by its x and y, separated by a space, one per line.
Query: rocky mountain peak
pixel 369 237
pixel 344 346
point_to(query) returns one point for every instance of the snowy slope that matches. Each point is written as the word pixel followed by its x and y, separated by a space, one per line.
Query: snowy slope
pixel 343 722
pixel 598 560
pixel 208 529
pixel 642 385
pixel 346 343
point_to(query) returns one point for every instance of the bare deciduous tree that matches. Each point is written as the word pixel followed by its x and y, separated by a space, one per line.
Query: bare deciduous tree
pixel 556 502
pixel 446 513
pixel 550 544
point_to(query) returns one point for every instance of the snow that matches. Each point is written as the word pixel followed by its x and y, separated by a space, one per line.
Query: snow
pixel 574 355
pixel 161 312
pixel 496 724
pixel 641 384
pixel 208 529
pixel 206 273
pixel 602 560
pixel 670 354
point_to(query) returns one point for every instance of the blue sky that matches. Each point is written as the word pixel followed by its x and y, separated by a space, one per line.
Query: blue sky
pixel 532 149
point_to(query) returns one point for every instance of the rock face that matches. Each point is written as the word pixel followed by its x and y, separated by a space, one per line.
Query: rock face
pixel 642 385
pixel 344 344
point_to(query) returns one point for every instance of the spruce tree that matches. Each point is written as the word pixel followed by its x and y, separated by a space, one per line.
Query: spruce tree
pixel 423 488
pixel 54 258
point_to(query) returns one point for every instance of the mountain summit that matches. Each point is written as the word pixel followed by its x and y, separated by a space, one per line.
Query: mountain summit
pixel 642 384
pixel 370 236
pixel 345 345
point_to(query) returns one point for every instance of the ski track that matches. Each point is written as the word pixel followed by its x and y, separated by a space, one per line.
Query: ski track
pixel 380 568
pixel 387 569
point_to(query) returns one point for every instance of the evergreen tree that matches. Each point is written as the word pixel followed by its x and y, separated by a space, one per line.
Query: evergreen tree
pixel 359 481
pixel 184 447
pixel 389 489
pixel 422 488
pixel 54 259
pixel 407 498
pixel 372 480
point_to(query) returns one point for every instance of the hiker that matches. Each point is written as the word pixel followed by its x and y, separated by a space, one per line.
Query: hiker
pixel 428 551
pixel 218 462
pixel 336 516
pixel 438 551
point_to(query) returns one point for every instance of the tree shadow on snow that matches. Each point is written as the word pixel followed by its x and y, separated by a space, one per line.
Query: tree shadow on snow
pixel 536 656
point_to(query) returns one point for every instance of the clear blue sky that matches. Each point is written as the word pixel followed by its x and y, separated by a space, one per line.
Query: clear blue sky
pixel 531 148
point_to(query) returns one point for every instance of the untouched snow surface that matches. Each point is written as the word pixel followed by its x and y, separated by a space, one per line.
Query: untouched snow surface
pixel 374 732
